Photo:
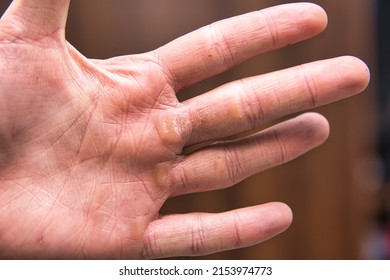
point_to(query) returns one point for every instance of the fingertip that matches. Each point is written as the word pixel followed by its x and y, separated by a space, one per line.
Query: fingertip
pixel 316 15
pixel 312 18
pixel 319 126
pixel 305 132
pixel 283 216
pixel 356 73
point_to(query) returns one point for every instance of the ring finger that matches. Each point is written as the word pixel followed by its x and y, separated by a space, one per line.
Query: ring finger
pixel 226 163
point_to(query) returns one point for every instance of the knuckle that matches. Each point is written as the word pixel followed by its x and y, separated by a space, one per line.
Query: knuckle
pixel 237 234
pixel 251 104
pixel 283 151
pixel 269 24
pixel 150 248
pixel 233 166
pixel 219 45
pixel 309 86
pixel 198 237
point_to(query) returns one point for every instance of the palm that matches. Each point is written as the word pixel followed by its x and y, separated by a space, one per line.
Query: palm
pixel 84 157
pixel 90 150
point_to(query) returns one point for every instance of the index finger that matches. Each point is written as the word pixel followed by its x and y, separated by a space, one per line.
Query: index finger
pixel 220 46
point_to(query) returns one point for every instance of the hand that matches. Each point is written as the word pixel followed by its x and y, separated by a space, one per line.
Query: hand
pixel 90 150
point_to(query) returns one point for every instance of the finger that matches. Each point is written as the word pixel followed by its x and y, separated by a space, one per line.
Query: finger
pixel 249 103
pixel 201 234
pixel 37 17
pixel 227 163
pixel 222 45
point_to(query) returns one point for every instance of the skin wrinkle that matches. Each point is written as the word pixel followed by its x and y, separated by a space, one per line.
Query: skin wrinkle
pixel 50 21
pixel 237 235
pixel 166 71
pixel 195 120
pixel 78 155
pixel 41 241
pixel 281 144
pixel 219 45
pixel 47 41
pixel 23 190
pixel 114 195
pixel 91 194
pixel 275 95
pixel 37 154
pixel 76 234
pixel 233 164
pixel 178 177
pixel 111 234
pixel 310 86
pixel 197 236
pixel 115 213
pixel 269 24
pixel 45 217
pixel 115 142
pixel 63 111
pixel 253 110
pixel 33 196
pixel 37 197
pixel 183 180
pixel 150 246
pixel 153 98
pixel 15 197
pixel 54 199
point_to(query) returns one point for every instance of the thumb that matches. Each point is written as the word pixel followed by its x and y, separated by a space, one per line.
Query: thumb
pixel 35 18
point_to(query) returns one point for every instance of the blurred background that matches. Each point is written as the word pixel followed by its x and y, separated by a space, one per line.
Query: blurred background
pixel 340 192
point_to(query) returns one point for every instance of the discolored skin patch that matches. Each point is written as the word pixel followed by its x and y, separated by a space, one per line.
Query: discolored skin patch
pixel 169 130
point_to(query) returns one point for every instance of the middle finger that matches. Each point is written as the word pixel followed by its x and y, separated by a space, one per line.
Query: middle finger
pixel 247 104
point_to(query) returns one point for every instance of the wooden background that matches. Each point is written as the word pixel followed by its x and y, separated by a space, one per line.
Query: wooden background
pixel 331 190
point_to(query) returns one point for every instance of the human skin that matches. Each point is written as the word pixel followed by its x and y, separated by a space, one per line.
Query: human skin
pixel 90 150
